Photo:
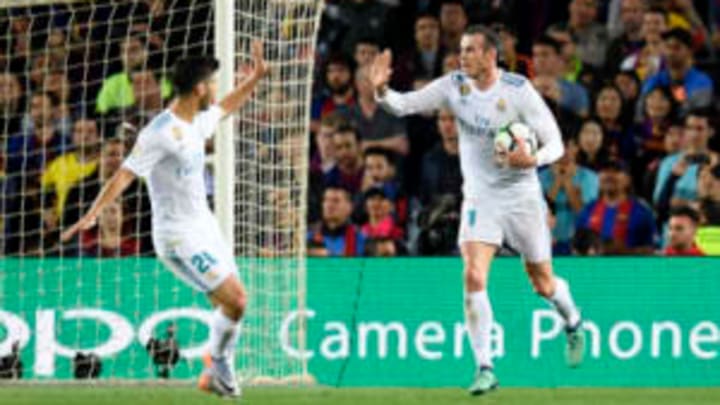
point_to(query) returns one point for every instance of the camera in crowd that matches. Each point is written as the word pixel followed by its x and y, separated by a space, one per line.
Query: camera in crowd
pixel 11 366
pixel 165 353
pixel 439 223
pixel 86 366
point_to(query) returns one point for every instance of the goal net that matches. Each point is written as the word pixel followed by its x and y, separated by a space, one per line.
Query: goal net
pixel 78 80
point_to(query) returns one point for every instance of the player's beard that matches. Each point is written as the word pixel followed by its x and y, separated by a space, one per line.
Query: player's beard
pixel 340 89
pixel 204 103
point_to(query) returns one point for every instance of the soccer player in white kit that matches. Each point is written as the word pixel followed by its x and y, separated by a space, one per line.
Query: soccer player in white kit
pixel 170 155
pixel 502 204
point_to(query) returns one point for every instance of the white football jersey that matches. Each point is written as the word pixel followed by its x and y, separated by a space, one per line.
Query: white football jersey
pixel 478 115
pixel 170 154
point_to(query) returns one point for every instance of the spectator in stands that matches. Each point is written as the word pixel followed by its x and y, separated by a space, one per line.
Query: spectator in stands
pixel 647 61
pixel 383 247
pixel 586 243
pixel 366 49
pixel 660 110
pixel 425 60
pixel 117 91
pixel 41 65
pixel 568 187
pixel 441 165
pixel 336 235
pixel 677 179
pixel 376 127
pixel 682 230
pixel 323 158
pixel 548 78
pixel 28 152
pixel 620 138
pixel 381 172
pixel 592 145
pixel 70 168
pixel 20 36
pixel 380 221
pixel 338 94
pixel 30 227
pixel 56 84
pixel 625 224
pixel 591 37
pixel 348 171
pixel 572 68
pixel 135 201
pixel 708 236
pixel 453 21
pixel 11 105
pixel 512 60
pixel 673 142
pixel 109 239
pixel 691 88
pixel 683 14
pixel 631 37
pixel 629 84
pixel 146 87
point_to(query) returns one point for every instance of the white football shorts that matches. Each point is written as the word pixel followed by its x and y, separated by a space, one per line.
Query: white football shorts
pixel 521 226
pixel 202 259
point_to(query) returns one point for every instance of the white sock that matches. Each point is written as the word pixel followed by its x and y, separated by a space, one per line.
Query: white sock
pixel 478 321
pixel 223 334
pixel 563 302
pixel 232 342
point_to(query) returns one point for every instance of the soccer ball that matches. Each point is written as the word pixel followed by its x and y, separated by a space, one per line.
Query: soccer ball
pixel 506 140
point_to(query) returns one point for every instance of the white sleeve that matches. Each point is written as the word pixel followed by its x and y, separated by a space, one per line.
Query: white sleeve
pixel 207 121
pixel 148 150
pixel 538 116
pixel 429 98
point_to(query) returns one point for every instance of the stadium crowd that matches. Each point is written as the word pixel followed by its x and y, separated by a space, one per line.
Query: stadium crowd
pixel 631 83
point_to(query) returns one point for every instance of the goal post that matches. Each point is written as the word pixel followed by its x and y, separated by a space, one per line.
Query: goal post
pixel 81 78
pixel 224 155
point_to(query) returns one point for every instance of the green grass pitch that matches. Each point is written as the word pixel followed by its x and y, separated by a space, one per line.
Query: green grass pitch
pixel 142 395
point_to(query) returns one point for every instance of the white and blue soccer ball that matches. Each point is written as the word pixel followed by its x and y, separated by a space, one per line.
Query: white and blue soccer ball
pixel 506 140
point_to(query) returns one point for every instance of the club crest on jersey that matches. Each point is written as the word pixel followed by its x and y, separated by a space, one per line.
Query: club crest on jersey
pixel 177 133
pixel 464 89
pixel 501 105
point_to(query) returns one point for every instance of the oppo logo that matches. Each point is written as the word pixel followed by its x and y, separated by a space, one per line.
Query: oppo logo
pixel 122 333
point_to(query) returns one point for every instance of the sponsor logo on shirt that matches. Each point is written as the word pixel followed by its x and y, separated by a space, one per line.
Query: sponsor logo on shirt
pixel 177 133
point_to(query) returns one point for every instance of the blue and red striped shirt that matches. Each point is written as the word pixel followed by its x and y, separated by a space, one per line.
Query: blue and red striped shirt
pixel 631 222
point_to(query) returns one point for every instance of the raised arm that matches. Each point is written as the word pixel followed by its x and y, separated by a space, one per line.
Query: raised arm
pixel 238 96
pixel 110 191
pixel 431 97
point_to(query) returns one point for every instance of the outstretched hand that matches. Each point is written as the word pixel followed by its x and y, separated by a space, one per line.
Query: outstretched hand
pixel 380 70
pixel 85 223
pixel 259 65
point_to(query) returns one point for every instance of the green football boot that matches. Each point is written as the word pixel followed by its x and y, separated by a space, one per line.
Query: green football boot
pixel 485 381
pixel 575 348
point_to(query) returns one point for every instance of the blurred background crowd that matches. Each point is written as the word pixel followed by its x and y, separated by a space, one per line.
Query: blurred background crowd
pixel 631 83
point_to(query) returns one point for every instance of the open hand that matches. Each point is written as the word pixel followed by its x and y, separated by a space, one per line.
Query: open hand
pixel 380 70
pixel 259 65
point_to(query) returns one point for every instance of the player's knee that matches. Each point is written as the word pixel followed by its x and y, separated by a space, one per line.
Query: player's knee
pixel 475 279
pixel 542 286
pixel 236 306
